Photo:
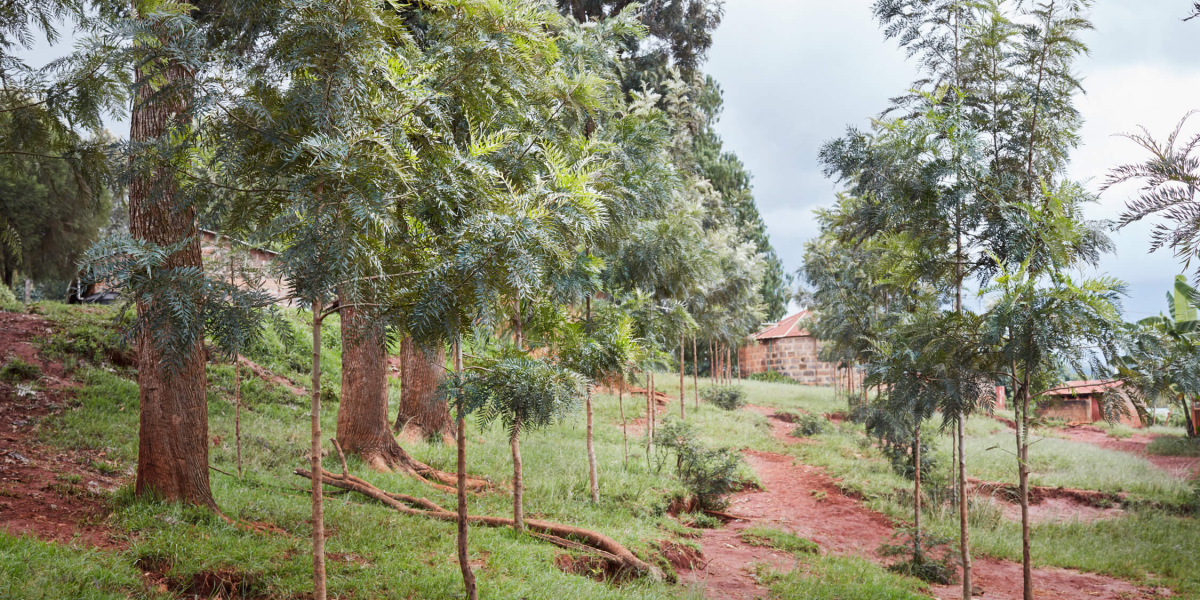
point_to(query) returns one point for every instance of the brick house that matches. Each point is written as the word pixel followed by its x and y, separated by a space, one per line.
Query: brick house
pixel 786 348
pixel 1079 402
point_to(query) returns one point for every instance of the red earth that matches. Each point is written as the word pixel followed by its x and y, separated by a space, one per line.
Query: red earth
pixel 806 501
pixel 53 495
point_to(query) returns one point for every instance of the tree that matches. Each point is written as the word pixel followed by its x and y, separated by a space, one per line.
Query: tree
pixel 420 371
pixel 1170 181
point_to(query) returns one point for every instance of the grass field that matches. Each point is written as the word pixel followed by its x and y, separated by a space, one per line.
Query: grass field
pixel 378 553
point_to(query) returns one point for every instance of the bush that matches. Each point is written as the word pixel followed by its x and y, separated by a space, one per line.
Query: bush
pixel 809 425
pixel 728 397
pixel 17 370
pixel 1169 445
pixel 708 474
pixel 937 562
pixel 8 302
pixel 771 377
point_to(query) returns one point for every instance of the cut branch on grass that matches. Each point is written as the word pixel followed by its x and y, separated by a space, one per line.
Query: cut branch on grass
pixel 561 535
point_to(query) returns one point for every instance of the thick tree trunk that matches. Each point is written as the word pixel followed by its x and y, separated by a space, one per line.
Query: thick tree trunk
pixel 318 507
pixel 593 483
pixel 173 427
pixel 362 419
pixel 421 373
pixel 464 562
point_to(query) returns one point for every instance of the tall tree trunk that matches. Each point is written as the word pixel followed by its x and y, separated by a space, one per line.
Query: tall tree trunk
pixel 649 415
pixel 464 562
pixel 237 410
pixel 695 373
pixel 173 415
pixel 362 419
pixel 624 426
pixel 593 483
pixel 963 533
pixel 420 375
pixel 515 437
pixel 917 550
pixel 318 506
pixel 682 387
pixel 1023 475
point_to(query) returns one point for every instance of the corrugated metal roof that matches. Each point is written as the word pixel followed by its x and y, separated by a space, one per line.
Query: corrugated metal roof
pixel 1082 388
pixel 789 327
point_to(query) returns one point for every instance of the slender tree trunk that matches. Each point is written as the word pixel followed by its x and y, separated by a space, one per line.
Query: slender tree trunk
pixel 318 506
pixel 682 387
pixel 464 562
pixel 649 415
pixel 515 438
pixel 593 484
pixel 1023 474
pixel 237 410
pixel 173 415
pixel 624 427
pixel 518 481
pixel 917 551
pixel 420 376
pixel 963 513
pixel 695 373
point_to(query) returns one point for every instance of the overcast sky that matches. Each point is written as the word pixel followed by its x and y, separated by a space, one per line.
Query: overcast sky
pixel 797 72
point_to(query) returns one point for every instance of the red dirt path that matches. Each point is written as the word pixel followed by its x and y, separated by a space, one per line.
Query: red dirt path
pixel 1179 466
pixel 804 500
pixel 38 494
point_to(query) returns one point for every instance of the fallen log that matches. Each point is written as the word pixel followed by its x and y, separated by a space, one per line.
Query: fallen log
pixel 555 533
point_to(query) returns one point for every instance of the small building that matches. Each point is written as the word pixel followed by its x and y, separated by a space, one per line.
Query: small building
pixel 786 348
pixel 1079 402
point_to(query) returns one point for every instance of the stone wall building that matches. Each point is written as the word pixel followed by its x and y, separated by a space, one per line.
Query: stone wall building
pixel 786 348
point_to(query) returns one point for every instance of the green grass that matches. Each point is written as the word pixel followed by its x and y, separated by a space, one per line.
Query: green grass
pixel 378 553
pixel 779 540
pixel 1168 445
pixel 842 578
pixel 36 570
pixel 16 370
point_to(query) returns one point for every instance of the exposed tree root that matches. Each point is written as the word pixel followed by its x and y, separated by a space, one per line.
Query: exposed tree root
pixel 557 534
pixel 393 458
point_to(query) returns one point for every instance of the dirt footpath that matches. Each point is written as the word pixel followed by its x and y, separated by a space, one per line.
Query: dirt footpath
pixel 805 501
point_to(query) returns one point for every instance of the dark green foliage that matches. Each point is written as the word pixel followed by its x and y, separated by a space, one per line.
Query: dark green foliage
pixel 16 370
pixel 9 302
pixel 524 393
pixel 709 474
pixel 728 397
pixel 936 561
pixel 809 425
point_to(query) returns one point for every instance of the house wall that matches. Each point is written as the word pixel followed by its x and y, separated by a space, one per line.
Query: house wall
pixel 795 357
pixel 1084 409
pixel 259 260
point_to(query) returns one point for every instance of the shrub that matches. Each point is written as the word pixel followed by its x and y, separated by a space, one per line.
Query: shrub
pixel 728 397
pixel 1169 445
pixel 809 425
pixel 8 302
pixel 17 370
pixel 771 377
pixel 708 474
pixel 700 520
pixel 937 562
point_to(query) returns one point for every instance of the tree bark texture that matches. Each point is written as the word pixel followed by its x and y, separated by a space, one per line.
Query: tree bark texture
pixel 464 561
pixel 173 416
pixel 362 419
pixel 318 507
pixel 593 482
pixel 420 375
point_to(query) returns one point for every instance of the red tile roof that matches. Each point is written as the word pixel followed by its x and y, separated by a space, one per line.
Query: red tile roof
pixel 1082 388
pixel 789 327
